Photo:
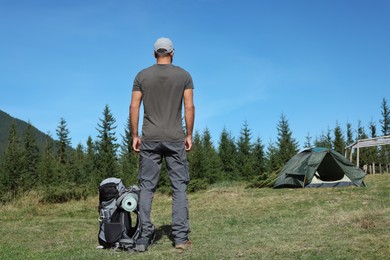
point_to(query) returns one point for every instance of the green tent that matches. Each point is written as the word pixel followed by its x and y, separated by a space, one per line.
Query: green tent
pixel 319 167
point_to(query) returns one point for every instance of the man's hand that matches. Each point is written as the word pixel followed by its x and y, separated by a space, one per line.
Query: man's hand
pixel 136 144
pixel 188 143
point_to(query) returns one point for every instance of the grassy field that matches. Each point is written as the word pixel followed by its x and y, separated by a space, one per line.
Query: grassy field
pixel 227 222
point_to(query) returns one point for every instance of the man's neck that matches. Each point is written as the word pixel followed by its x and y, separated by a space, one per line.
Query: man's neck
pixel 164 60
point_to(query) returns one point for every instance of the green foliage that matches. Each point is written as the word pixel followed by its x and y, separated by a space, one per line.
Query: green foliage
pixel 31 160
pixel 107 147
pixel 28 163
pixel 21 127
pixel 227 152
pixel 63 142
pixel 325 140
pixel 198 185
pixel 286 145
pixel 264 180
pixel 274 162
pixel 385 121
pixel 64 193
pixel 338 142
pixel 12 164
pixel 48 166
pixel 244 152
pixel 128 159
pixel 212 162
pixel 307 143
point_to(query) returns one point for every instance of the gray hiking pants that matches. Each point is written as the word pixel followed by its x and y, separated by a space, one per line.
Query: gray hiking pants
pixel 151 155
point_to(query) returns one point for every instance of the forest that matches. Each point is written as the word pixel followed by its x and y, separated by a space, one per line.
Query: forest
pixel 61 173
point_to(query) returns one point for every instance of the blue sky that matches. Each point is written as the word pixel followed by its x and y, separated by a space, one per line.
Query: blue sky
pixel 317 62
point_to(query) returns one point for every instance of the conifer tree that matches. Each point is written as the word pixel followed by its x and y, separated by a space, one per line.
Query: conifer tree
pixel 63 142
pixel 128 159
pixel 197 158
pixel 273 161
pixel 244 150
pixel 48 175
pixel 31 159
pixel 338 141
pixel 258 158
pixel 361 134
pixel 211 160
pixel 325 140
pixel 372 153
pixel 107 147
pixel 307 141
pixel 350 138
pixel 12 164
pixel 287 145
pixel 385 121
pixel 90 165
pixel 76 170
pixel 227 153
pixel 385 127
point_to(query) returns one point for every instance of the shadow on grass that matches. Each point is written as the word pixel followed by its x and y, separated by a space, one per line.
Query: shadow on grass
pixel 164 230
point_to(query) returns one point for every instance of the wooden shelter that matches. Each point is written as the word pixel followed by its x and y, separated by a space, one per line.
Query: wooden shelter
pixel 369 142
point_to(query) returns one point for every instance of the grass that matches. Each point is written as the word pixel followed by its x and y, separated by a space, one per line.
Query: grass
pixel 227 222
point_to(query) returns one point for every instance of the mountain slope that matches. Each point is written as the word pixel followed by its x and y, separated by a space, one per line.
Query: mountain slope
pixel 5 125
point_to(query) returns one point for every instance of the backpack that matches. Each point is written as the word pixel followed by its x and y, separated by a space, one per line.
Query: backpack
pixel 117 206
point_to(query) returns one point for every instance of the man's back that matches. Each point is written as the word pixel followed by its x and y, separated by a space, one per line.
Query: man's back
pixel 162 87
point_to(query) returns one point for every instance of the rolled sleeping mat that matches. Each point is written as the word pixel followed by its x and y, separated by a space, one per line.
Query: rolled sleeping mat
pixel 130 202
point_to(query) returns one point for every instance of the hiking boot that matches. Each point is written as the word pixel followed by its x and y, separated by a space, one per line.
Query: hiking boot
pixel 185 246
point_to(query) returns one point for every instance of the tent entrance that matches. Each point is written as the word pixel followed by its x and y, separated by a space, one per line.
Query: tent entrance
pixel 329 170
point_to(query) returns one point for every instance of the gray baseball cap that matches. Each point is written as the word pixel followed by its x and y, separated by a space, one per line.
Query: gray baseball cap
pixel 163 43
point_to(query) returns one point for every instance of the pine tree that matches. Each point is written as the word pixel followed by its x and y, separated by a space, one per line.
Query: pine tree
pixel 258 158
pixel 212 162
pixel 274 162
pixel 385 127
pixel 287 146
pixel 48 175
pixel 244 150
pixel 197 158
pixel 31 159
pixel 90 165
pixel 338 141
pixel 350 139
pixel 372 153
pixel 12 164
pixel 385 121
pixel 76 168
pixel 361 134
pixel 307 141
pixel 63 142
pixel 325 140
pixel 107 147
pixel 128 159
pixel 227 153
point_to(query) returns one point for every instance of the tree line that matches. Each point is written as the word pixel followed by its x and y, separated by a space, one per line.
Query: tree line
pixel 61 173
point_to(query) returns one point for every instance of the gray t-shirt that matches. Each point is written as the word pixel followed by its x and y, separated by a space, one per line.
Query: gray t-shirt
pixel 162 87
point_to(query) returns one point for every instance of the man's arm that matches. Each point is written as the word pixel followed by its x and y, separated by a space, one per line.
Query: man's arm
pixel 135 104
pixel 189 116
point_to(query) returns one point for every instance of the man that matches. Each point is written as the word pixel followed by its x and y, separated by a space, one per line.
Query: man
pixel 162 88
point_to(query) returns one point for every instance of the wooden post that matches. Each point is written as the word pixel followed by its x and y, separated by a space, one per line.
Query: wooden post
pixel 350 155
pixel 357 156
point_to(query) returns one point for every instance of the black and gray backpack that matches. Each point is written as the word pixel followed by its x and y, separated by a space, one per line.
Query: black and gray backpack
pixel 118 206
